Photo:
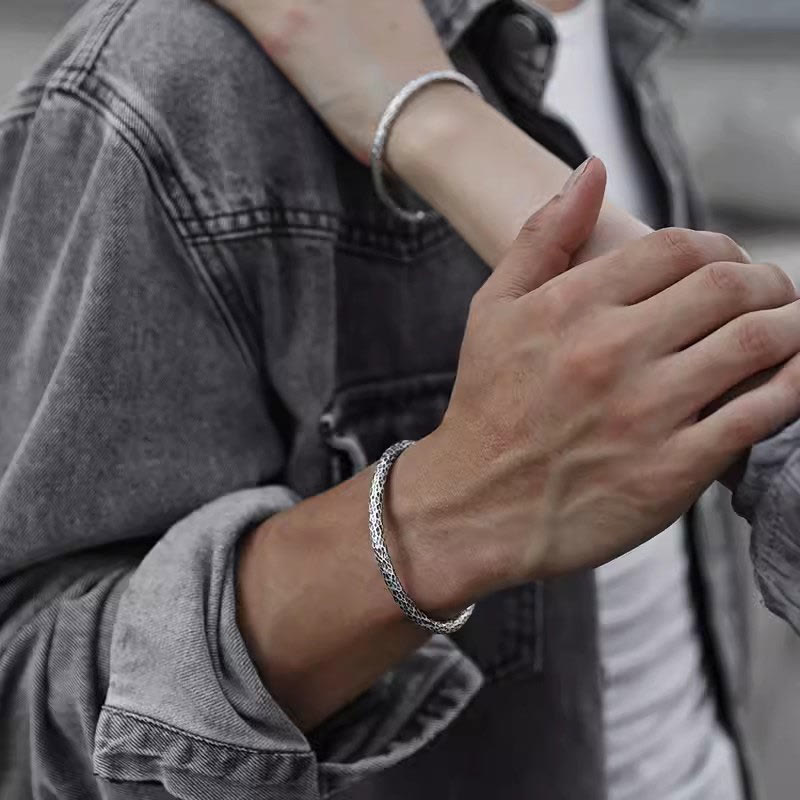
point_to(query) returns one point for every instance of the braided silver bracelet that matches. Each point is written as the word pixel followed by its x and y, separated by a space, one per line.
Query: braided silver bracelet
pixel 402 599
pixel 384 128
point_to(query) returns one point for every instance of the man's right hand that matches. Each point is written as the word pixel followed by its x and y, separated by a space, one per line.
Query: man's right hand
pixel 572 434
pixel 574 430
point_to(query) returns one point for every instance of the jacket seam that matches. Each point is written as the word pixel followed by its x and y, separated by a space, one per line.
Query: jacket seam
pixel 62 79
pixel 19 114
pixel 73 75
pixel 75 72
pixel 329 220
pixel 140 150
pixel 325 224
pixel 92 48
pixel 115 711
pixel 62 82
pixel 405 243
pixel 396 252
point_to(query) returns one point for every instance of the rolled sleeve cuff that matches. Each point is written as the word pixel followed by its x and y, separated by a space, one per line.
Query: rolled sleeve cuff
pixel 186 707
pixel 766 461
pixel 775 546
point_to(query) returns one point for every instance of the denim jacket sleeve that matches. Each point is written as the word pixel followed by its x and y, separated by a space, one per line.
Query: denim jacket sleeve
pixel 768 496
pixel 135 449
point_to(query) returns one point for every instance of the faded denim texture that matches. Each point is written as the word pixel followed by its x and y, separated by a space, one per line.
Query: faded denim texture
pixel 206 316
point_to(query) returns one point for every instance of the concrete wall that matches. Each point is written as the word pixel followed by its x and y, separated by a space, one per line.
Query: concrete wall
pixel 26 26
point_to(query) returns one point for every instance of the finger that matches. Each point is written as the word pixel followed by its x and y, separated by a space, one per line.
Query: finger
pixel 746 385
pixel 719 438
pixel 709 298
pixel 744 347
pixel 642 268
pixel 549 239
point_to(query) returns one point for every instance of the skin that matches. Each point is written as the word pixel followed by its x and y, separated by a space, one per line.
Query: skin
pixel 559 6
pixel 376 53
pixel 506 488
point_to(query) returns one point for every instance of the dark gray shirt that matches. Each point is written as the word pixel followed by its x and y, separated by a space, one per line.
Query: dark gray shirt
pixel 206 316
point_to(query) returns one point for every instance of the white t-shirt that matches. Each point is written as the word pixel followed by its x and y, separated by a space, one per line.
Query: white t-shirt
pixel 663 740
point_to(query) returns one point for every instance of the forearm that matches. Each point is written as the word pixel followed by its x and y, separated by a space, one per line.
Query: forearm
pixel 484 174
pixel 314 611
pixel 316 615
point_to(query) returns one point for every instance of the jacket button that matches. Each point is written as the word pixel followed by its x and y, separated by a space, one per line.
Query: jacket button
pixel 518 32
pixel 521 40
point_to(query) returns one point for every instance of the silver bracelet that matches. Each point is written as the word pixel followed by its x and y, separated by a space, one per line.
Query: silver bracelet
pixel 385 125
pixel 382 553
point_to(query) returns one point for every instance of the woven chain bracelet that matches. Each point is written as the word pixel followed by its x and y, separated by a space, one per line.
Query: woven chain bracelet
pixel 399 594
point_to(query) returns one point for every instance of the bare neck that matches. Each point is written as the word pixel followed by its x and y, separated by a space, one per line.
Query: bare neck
pixel 557 6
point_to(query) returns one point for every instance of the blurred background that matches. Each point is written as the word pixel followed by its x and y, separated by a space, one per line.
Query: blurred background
pixel 745 147
pixel 735 87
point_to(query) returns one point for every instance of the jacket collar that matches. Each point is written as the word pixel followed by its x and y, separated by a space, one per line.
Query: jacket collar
pixel 452 18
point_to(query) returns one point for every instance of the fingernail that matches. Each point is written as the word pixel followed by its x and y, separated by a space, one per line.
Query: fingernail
pixel 573 179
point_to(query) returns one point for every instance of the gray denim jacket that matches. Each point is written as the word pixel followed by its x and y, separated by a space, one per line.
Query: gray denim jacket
pixel 206 316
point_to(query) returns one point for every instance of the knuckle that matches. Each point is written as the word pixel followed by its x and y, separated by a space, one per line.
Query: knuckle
pixel 684 244
pixel 589 367
pixel 701 247
pixel 532 227
pixel 785 288
pixel 651 484
pixel 755 340
pixel 727 278
pixel 791 393
pixel 722 247
pixel 627 417
pixel 742 430
pixel 788 376
pixel 788 379
pixel 556 298
pixel 480 311
pixel 477 303
pixel 616 345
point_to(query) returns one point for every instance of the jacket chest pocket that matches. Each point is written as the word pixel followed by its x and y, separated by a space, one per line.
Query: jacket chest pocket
pixel 505 636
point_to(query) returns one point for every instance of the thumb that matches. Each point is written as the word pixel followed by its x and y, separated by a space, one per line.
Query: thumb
pixel 550 238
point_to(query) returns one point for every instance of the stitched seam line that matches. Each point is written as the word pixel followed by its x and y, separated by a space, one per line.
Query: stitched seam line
pixel 140 151
pixel 279 217
pixel 115 711
pixel 17 115
pixel 402 241
pixel 397 253
pixel 67 85
pixel 327 220
pixel 82 66
pixel 125 7
pixel 195 216
pixel 404 244
pixel 92 47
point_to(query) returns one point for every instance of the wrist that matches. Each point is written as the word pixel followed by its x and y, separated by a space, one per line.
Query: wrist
pixel 427 130
pixel 484 174
pixel 441 553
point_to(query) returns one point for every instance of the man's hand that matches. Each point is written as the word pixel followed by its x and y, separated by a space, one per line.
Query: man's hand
pixel 573 432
